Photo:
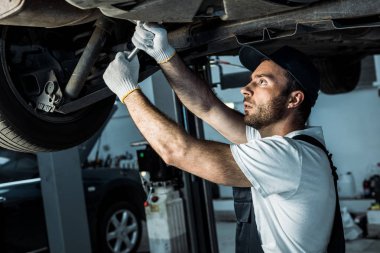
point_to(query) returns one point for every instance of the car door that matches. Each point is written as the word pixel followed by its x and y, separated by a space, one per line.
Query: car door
pixel 22 222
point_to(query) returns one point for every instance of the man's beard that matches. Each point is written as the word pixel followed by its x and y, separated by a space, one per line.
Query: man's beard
pixel 267 114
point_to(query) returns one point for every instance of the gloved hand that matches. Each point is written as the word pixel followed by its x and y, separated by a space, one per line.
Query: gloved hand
pixel 153 39
pixel 121 75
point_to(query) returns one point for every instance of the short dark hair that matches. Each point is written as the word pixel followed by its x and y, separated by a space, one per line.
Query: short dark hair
pixel 304 109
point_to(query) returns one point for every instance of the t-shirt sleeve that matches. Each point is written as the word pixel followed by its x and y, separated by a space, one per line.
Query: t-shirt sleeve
pixel 272 165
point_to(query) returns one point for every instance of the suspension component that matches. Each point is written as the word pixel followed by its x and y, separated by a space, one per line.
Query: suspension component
pixel 51 95
pixel 88 58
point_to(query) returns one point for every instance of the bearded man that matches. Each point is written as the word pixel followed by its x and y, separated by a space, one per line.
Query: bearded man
pixel 283 185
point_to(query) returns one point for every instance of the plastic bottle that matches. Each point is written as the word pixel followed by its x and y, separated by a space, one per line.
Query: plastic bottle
pixel 346 185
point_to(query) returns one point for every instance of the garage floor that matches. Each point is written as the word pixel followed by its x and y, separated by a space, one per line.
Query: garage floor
pixel 226 241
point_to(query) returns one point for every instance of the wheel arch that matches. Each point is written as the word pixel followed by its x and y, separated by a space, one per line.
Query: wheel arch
pixel 118 190
pixel 127 190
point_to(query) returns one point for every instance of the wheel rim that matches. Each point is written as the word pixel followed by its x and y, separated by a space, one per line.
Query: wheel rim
pixel 122 231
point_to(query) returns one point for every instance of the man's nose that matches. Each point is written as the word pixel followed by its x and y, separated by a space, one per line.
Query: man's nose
pixel 246 91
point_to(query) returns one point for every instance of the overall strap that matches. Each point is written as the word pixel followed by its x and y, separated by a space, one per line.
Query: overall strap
pixel 337 242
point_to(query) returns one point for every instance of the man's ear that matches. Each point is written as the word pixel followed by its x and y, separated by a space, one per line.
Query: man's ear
pixel 295 99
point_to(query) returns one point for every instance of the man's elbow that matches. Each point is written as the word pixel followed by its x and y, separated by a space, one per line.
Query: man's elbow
pixel 168 157
pixel 174 153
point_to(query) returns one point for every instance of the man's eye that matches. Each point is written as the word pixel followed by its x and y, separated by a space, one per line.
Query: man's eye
pixel 262 82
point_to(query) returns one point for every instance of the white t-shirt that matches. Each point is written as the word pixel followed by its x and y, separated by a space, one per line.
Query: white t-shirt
pixel 293 190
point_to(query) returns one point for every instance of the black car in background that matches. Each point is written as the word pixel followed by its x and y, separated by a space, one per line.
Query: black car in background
pixel 114 199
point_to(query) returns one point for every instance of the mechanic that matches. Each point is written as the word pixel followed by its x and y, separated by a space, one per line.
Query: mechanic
pixel 288 181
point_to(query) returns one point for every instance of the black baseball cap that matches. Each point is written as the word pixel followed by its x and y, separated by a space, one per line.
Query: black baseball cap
pixel 295 62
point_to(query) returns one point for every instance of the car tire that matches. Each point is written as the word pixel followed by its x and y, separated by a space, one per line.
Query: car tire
pixel 120 229
pixel 26 129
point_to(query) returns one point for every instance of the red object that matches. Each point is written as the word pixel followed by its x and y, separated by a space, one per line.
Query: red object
pixel 154 199
pixel 366 188
pixel 146 204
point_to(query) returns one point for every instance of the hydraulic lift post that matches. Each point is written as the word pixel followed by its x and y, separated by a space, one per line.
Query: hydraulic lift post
pixel 64 202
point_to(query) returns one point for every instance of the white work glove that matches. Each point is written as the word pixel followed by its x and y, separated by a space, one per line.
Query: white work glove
pixel 121 75
pixel 153 39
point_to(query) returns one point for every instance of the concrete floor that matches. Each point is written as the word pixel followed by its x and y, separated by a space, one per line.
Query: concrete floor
pixel 226 241
pixel 226 236
pixel 363 246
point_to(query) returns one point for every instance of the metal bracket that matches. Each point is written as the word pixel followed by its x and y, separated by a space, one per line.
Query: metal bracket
pixel 272 33
pixel 51 95
pixel 85 101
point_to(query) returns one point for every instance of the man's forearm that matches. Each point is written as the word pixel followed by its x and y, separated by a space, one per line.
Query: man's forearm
pixel 193 92
pixel 162 133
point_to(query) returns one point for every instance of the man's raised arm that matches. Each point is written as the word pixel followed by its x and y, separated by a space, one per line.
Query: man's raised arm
pixel 193 92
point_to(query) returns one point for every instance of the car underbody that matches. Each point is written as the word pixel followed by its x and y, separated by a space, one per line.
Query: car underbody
pixel 53 53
